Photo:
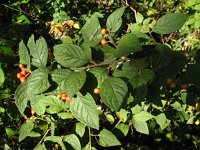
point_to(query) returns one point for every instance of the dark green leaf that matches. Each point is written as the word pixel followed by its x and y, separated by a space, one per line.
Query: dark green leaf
pixel 70 55
pixel 107 139
pixel 25 130
pixel 108 52
pixel 114 21
pixel 193 74
pixel 59 75
pixel 56 139
pixel 100 74
pixel 38 81
pixel 73 83
pixel 91 32
pixel 84 109
pixel 113 93
pixel 129 43
pixel 170 22
pixel 24 56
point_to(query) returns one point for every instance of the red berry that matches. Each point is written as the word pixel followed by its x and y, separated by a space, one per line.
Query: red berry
pixel 63 96
pixel 59 96
pixel 103 42
pixel 22 79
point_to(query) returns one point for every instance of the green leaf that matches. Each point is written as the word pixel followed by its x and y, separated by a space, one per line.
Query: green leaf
pixel 193 74
pixel 140 126
pixel 38 81
pixel 38 104
pixel 170 22
pixel 100 74
pixel 139 18
pixel 107 139
pixel 91 32
pixel 65 115
pixel 25 130
pixel 124 128
pixel 108 52
pixel 55 104
pixel 162 121
pixel 128 43
pixel 24 56
pixel 80 129
pixel 58 75
pixel 141 78
pixel 84 109
pixel 70 55
pixel 143 116
pixel 38 51
pixel 127 71
pixel 21 97
pixel 56 139
pixel 113 93
pixel 2 77
pixel 122 115
pixel 114 20
pixel 73 83
pixel 73 141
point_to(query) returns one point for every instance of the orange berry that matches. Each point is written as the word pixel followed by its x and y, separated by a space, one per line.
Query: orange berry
pixel 24 72
pixel 103 31
pixel 19 75
pixel 97 91
pixel 169 81
pixel 27 119
pixel 68 99
pixel 63 97
pixel 173 85
pixel 59 96
pixel 103 42
pixel 22 79
pixel 184 86
pixel 21 66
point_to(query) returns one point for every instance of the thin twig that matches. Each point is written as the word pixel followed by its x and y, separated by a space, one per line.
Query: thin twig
pixel 42 138
pixel 127 4
pixel 21 11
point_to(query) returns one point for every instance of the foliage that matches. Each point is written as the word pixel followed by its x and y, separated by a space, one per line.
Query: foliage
pixel 138 88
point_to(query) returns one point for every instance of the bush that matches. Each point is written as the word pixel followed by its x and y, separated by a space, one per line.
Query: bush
pixel 98 82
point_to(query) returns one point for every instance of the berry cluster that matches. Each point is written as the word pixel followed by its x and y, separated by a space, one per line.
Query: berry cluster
pixel 103 41
pixel 172 84
pixel 24 74
pixel 64 97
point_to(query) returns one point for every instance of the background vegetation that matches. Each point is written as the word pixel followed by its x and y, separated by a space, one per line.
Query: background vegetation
pixel 162 98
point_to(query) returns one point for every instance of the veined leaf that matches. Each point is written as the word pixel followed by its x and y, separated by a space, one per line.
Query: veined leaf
pixel 25 130
pixel 107 139
pixel 113 93
pixel 84 109
pixel 70 55
pixel 55 104
pixel 38 51
pixel 143 116
pixel 73 83
pixel 24 56
pixel 129 43
pixel 114 21
pixel 91 32
pixel 72 140
pixel 170 22
pixel 140 126
pixel 100 74
pixel 38 81
pixel 58 75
